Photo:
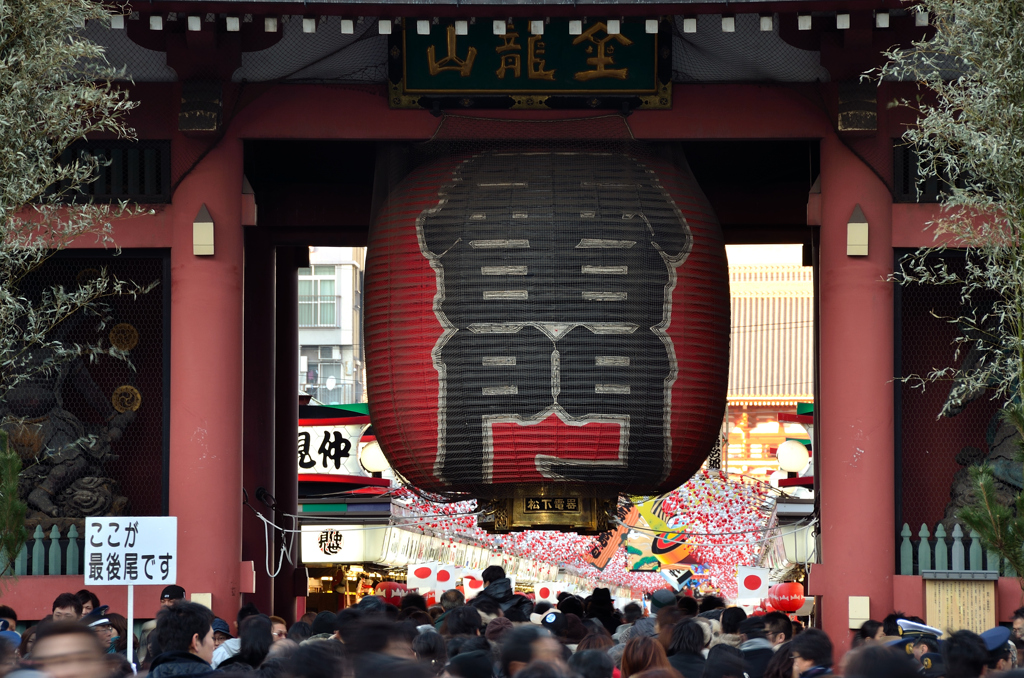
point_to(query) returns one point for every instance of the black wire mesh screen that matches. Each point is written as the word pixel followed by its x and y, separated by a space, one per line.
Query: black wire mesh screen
pixel 747 53
pixel 936 452
pixel 92 440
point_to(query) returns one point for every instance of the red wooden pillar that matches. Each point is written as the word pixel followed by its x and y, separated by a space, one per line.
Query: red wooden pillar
pixel 258 413
pixel 855 413
pixel 206 381
pixel 289 587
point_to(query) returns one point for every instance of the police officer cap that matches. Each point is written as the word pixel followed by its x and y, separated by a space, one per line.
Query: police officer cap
pixel 98 613
pixel 932 665
pixel 995 638
pixel 909 628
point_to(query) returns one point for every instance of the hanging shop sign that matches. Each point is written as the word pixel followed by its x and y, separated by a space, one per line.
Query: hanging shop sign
pixel 330 450
pixel 607 543
pixel 559 63
pixel 563 331
pixel 341 543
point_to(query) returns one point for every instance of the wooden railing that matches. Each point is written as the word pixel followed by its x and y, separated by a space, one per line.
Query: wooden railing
pixel 49 554
pixel 942 552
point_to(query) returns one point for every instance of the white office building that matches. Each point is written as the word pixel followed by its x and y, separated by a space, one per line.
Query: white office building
pixel 331 363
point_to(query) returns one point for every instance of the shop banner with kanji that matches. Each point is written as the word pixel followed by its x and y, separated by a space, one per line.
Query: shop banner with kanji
pixel 607 543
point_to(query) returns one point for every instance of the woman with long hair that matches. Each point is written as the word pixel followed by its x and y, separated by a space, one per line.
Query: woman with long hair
pixel 643 653
pixel 781 663
pixel 119 639
pixel 255 636
pixel 28 639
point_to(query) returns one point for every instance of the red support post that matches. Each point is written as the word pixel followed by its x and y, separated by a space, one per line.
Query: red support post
pixel 206 381
pixel 854 417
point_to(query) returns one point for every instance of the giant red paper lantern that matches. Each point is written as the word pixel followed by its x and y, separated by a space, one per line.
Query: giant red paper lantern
pixel 787 596
pixel 536 316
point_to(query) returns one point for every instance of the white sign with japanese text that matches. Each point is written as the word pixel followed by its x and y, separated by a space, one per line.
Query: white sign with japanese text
pixel 342 543
pixel 330 450
pixel 140 550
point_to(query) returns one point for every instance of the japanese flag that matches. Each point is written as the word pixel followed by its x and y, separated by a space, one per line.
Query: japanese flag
pixel 422 578
pixel 547 591
pixel 445 577
pixel 752 582
pixel 472 583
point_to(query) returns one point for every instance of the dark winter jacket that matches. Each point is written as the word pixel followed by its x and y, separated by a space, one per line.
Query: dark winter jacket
pixel 607 620
pixel 177 663
pixel 757 652
pixel 235 663
pixel 441 619
pixel 690 665
pixel 500 591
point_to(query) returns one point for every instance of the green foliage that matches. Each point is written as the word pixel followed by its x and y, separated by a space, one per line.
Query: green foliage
pixel 12 510
pixel 970 131
pixel 56 87
pixel 1001 528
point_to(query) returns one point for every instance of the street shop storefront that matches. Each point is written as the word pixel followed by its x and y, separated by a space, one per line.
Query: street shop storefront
pixel 346 562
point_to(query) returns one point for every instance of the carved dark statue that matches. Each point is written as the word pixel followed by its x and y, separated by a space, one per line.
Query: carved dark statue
pixel 63 458
pixel 1002 440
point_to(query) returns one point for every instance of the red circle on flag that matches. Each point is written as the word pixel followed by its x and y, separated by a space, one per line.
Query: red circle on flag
pixel 544 592
pixel 443 575
pixel 475 583
pixel 424 572
pixel 752 582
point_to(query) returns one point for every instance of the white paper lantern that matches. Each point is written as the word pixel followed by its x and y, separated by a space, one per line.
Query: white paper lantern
pixel 793 456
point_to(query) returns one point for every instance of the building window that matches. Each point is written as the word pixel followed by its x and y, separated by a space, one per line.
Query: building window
pixel 318 302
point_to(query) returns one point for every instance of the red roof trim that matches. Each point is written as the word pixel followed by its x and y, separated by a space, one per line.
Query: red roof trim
pixel 355 480
pixel 334 421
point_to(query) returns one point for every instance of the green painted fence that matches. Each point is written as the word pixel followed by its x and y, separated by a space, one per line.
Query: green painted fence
pixel 953 552
pixel 45 554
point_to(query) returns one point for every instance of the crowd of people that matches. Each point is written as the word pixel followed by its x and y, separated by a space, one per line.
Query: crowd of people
pixel 498 634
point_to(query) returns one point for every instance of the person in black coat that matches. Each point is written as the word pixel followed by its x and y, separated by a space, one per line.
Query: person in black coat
pixel 755 646
pixel 498 588
pixel 684 650
pixel 601 609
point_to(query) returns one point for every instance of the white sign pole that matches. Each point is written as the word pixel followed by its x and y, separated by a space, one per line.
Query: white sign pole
pixel 122 550
pixel 131 625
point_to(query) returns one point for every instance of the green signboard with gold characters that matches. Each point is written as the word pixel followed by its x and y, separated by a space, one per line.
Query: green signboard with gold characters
pixel 557 63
